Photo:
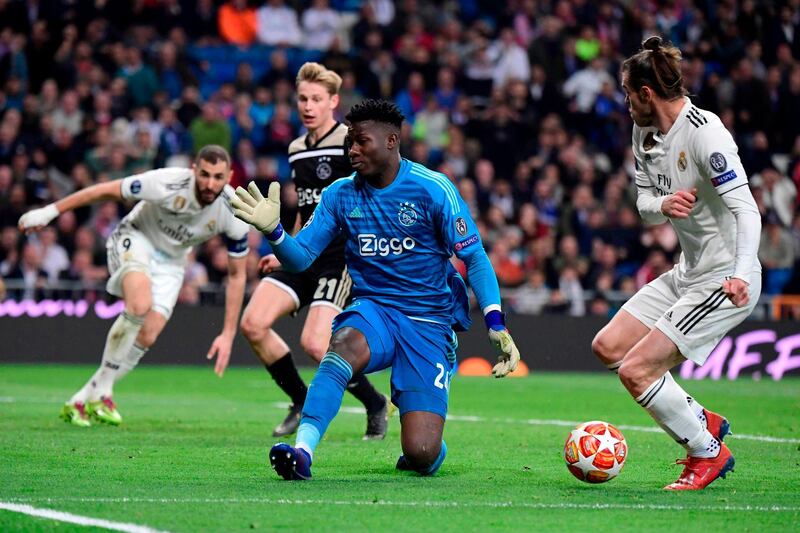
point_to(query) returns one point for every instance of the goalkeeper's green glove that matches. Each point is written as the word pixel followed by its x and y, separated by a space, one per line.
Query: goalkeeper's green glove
pixel 264 214
pixel 507 352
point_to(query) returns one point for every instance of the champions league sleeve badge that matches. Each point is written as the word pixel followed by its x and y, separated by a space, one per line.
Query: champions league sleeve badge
pixel 718 162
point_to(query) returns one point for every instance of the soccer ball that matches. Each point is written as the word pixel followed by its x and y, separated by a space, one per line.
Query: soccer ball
pixel 595 452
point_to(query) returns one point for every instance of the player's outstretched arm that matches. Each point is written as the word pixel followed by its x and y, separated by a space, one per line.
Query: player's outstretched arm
pixel 295 254
pixel 463 239
pixel 36 219
pixel 234 296
pixel 504 345
pixel 264 214
pixel 484 284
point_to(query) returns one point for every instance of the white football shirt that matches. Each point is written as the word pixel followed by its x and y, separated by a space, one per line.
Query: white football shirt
pixel 697 152
pixel 172 218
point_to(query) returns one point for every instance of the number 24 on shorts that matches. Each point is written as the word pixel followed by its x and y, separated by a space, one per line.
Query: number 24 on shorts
pixel 442 374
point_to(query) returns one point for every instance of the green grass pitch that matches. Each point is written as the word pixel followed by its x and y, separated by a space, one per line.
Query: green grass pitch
pixel 192 456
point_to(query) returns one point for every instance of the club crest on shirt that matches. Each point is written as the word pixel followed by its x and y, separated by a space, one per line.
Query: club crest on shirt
pixel 179 203
pixel 461 226
pixel 682 161
pixel 324 170
pixel 649 141
pixel 211 226
pixel 407 215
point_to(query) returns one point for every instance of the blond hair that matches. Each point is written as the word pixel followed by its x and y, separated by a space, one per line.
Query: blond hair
pixel 316 73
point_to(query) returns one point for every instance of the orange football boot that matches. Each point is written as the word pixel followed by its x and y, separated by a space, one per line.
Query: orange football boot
pixel 717 425
pixel 699 472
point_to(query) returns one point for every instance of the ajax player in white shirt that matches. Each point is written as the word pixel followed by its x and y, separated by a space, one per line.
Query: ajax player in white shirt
pixel 178 208
pixel 688 172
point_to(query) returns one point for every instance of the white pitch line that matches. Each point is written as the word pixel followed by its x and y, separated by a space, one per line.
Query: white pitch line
pixel 471 418
pixel 434 504
pixel 61 516
pixel 564 423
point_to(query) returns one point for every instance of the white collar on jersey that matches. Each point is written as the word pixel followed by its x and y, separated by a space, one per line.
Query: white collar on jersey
pixel 683 117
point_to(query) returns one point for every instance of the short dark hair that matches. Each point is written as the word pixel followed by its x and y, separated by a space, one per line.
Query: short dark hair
pixel 381 111
pixel 213 153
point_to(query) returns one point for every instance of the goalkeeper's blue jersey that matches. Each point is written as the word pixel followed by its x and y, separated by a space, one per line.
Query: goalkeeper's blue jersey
pixel 399 239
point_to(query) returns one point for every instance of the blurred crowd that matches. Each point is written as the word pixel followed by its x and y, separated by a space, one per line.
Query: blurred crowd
pixel 518 102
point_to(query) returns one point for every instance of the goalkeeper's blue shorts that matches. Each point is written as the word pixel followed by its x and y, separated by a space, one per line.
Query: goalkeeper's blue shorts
pixel 421 354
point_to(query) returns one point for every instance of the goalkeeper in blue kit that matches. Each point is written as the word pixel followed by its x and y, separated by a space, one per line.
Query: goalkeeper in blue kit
pixel 402 222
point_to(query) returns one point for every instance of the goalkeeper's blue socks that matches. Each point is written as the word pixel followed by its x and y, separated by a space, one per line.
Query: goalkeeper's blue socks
pixel 402 464
pixel 323 400
pixel 431 470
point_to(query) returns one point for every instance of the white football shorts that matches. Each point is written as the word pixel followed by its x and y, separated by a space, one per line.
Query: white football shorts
pixel 130 251
pixel 694 318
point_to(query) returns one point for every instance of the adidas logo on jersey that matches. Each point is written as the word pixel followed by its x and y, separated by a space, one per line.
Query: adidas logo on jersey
pixel 356 213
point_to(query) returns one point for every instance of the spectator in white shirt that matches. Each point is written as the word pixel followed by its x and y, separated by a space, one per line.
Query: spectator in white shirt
pixel 510 59
pixel 54 256
pixel 68 116
pixel 584 86
pixel 320 24
pixel 384 11
pixel 569 286
pixel 778 193
pixel 531 298
pixel 277 24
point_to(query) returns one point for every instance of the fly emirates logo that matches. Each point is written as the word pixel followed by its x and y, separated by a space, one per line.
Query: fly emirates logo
pixel 371 245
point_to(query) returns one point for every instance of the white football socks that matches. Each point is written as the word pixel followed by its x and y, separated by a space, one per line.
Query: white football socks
pixel 667 403
pixel 119 342
pixel 698 410
pixel 134 356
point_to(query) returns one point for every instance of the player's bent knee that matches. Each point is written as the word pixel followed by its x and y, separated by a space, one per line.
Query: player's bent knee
pixel 254 328
pixel 606 349
pixel 634 376
pixel 599 347
pixel 422 455
pixel 315 348
pixel 602 348
pixel 351 345
pixel 139 306
pixel 147 337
